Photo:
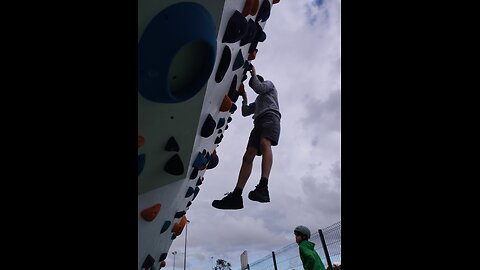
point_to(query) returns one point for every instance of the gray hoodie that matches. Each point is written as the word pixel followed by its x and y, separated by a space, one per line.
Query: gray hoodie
pixel 266 101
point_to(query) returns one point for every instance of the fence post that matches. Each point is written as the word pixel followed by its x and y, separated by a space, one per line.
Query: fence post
pixel 325 249
pixel 274 260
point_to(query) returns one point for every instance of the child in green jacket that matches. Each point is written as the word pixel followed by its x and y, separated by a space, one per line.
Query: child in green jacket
pixel 308 255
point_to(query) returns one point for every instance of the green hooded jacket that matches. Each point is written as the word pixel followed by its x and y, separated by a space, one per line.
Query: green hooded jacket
pixel 310 258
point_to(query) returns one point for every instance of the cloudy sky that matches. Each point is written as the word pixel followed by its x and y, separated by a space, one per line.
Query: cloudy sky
pixel 301 56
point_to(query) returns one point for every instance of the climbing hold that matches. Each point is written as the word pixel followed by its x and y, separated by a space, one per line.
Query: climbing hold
pixel 254 9
pixel 233 108
pixel 194 173
pixel 180 214
pixel 200 181
pixel 221 122
pixel 174 165
pixel 165 226
pixel 251 30
pixel 141 141
pixel 247 7
pixel 172 145
pixel 141 163
pixel 148 262
pixel 224 63
pixel 226 104
pixel 236 28
pixel 241 89
pixel 199 161
pixel 213 160
pixel 163 256
pixel 178 227
pixel 208 127
pixel 252 55
pixel 151 212
pixel 238 63
pixel 275 1
pixel 197 189
pixel 232 92
pixel 189 192
pixel 263 12
pixel 229 119
pixel 189 203
pixel 218 140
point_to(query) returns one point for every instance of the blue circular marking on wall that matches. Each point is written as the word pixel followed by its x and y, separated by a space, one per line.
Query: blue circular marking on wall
pixel 182 33
pixel 141 163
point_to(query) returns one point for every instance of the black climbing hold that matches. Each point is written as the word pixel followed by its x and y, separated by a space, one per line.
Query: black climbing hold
pixel 213 161
pixel 165 226
pixel 238 63
pixel 236 28
pixel 174 165
pixel 199 161
pixel 194 173
pixel 189 192
pixel 163 257
pixel 180 214
pixel 148 262
pixel 232 92
pixel 264 12
pixel 223 65
pixel 233 108
pixel 172 145
pixel 221 122
pixel 208 127
pixel 141 164
pixel 197 189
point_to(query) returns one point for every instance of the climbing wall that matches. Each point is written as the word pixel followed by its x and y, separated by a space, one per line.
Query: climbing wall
pixel 192 62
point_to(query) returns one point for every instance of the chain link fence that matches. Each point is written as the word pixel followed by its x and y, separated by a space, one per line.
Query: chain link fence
pixel 288 257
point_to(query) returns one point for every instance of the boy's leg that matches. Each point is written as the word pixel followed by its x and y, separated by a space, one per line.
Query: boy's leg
pixel 234 199
pixel 267 157
pixel 246 169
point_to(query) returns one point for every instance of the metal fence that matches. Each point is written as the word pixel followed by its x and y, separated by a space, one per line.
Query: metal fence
pixel 288 257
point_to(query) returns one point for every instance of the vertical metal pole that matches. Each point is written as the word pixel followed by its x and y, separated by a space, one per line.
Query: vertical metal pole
pixel 185 256
pixel 325 249
pixel 274 260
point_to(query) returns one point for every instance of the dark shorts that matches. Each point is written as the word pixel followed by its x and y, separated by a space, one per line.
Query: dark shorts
pixel 267 126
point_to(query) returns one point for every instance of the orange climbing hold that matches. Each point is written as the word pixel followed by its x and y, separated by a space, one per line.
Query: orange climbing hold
pixel 241 89
pixel 256 4
pixel 248 6
pixel 226 104
pixel 150 213
pixel 178 227
pixel 141 141
pixel 252 55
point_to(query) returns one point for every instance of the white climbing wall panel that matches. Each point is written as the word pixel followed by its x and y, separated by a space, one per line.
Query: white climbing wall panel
pixel 178 92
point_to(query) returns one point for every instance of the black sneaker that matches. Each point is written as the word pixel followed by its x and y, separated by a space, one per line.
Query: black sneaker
pixel 230 201
pixel 259 194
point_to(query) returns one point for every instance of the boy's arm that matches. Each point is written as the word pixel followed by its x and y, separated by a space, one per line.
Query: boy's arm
pixel 257 86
